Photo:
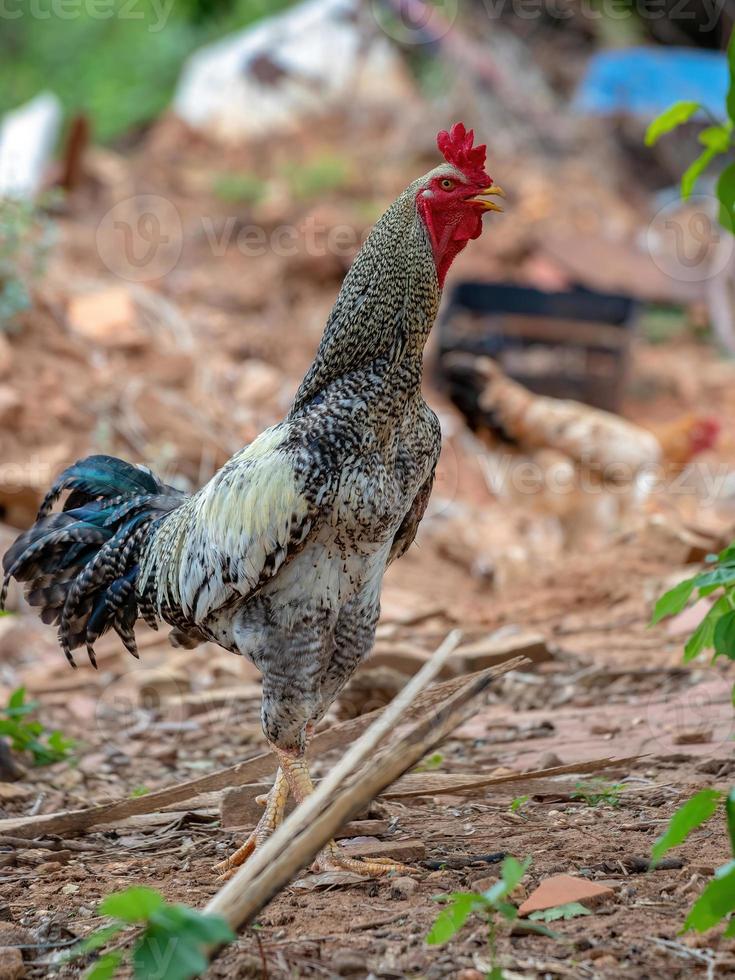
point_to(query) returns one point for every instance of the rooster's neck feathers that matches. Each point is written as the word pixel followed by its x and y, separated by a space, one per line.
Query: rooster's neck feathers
pixel 385 309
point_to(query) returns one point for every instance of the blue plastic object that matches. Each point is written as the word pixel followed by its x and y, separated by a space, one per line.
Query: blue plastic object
pixel 644 81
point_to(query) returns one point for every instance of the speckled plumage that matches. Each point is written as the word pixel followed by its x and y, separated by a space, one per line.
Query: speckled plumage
pixel 281 556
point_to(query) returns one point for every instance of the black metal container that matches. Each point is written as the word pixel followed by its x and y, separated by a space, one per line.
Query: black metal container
pixel 574 344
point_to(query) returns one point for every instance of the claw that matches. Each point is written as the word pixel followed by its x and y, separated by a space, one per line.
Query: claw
pixel 333 858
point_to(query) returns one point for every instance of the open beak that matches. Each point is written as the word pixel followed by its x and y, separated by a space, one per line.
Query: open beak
pixel 493 191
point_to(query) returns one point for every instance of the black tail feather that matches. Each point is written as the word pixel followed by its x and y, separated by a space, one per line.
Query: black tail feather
pixel 80 565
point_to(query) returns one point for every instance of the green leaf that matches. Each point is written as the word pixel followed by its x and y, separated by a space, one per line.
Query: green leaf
pixel 695 170
pixel 726 196
pixel 715 903
pixel 724 635
pixel 132 905
pixel 167 956
pixel 518 803
pixel 704 636
pixel 687 818
pixel 569 911
pixel 17 698
pixel 676 115
pixel 717 138
pixel 729 933
pixel 209 929
pixel 512 871
pixel 724 574
pixel 95 941
pixel 730 814
pixel 508 911
pixel 673 601
pixel 106 966
pixel 451 920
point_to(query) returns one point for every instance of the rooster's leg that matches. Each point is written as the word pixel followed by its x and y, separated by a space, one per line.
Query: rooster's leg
pixel 275 804
pixel 331 857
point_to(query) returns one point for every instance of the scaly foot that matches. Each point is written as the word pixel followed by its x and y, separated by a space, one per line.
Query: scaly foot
pixel 275 805
pixel 334 858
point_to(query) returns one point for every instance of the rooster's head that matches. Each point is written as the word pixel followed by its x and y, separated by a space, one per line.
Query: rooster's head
pixel 453 197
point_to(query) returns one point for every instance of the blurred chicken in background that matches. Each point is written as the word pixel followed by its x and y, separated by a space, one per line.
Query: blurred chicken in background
pixel 594 470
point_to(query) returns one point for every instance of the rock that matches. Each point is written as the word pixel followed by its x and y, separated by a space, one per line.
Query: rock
pixel 49 867
pixel 495 649
pixel 549 760
pixel 12 934
pixel 398 850
pixel 12 793
pixel 107 317
pixel 271 76
pixel 240 808
pixel 27 140
pixel 562 889
pixel 403 887
pixel 347 963
pixel 11 964
pixel 484 883
pixel 694 737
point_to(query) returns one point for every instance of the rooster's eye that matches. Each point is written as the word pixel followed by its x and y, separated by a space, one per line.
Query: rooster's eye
pixel 447 184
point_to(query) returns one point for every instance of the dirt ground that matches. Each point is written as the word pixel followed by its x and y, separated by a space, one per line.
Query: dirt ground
pixel 213 355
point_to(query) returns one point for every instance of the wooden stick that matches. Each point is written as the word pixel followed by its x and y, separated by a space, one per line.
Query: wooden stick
pixel 307 830
pixel 427 784
pixel 76 821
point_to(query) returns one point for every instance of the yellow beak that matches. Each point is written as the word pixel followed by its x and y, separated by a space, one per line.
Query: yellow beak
pixel 493 191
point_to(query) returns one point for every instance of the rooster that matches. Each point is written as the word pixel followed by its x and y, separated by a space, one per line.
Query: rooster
pixel 280 557
pixel 618 450
pixel 595 471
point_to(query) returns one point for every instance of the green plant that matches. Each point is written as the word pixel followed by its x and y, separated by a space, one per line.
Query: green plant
pixel 430 762
pixel 317 177
pixel 716 905
pixel 173 943
pixel 488 905
pixel 127 55
pixel 31 736
pixel 716 140
pixel 518 803
pixel 596 791
pixel 243 188
pixel 571 910
pixel 717 628
pixel 26 236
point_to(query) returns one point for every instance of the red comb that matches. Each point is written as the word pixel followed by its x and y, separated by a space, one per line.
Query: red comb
pixel 456 145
